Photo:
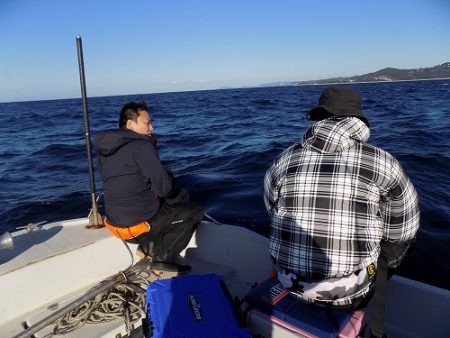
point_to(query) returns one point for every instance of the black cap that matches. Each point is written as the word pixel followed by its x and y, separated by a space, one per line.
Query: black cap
pixel 338 101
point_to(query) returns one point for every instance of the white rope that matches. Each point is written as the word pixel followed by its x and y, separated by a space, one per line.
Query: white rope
pixel 125 300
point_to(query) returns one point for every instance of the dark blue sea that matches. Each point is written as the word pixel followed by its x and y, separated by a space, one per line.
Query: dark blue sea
pixel 219 144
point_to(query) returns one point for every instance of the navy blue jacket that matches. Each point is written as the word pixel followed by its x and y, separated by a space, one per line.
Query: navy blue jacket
pixel 133 176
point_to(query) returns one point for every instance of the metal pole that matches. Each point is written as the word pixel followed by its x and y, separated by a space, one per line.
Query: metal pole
pixel 95 219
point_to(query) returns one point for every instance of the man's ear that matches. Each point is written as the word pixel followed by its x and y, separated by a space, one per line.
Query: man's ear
pixel 130 125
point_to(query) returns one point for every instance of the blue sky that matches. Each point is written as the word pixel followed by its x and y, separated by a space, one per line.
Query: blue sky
pixel 148 46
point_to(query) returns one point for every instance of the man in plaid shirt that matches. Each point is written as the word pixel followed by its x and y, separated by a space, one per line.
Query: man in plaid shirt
pixel 333 199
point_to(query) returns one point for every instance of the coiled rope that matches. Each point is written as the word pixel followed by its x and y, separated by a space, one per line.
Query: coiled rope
pixel 124 300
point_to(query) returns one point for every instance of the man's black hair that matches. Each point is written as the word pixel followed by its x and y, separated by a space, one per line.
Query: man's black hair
pixel 130 111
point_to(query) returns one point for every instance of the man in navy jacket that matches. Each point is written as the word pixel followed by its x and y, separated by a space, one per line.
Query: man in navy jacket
pixel 141 206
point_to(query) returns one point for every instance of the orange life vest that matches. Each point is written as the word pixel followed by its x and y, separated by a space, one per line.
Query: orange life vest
pixel 129 232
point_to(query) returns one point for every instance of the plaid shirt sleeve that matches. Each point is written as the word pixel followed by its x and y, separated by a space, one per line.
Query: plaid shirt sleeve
pixel 272 179
pixel 401 215
pixel 401 207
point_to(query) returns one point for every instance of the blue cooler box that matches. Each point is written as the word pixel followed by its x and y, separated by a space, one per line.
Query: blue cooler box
pixel 271 301
pixel 191 306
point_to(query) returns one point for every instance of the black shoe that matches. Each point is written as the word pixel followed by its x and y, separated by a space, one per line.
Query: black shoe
pixel 170 267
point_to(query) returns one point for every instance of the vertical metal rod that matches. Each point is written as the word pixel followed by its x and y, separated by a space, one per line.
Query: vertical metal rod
pixel 94 217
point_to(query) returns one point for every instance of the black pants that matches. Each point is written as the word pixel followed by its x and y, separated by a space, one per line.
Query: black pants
pixel 171 230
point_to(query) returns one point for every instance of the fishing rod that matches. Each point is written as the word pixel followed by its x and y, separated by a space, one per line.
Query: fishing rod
pixel 95 219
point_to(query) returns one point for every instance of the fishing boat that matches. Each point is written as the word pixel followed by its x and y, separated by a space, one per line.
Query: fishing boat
pixel 54 275
pixel 72 278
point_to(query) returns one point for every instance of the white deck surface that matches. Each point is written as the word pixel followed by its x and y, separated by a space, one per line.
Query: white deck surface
pixel 48 265
pixel 49 268
pixel 51 240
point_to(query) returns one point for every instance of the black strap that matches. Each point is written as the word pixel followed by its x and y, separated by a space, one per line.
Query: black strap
pixel 378 301
pixel 332 318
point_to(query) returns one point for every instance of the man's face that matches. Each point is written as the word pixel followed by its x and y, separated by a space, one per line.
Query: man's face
pixel 143 125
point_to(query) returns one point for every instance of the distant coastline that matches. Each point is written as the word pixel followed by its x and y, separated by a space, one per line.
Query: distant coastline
pixel 439 72
pixel 362 82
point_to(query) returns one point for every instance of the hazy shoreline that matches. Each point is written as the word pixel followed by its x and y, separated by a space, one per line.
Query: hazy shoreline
pixel 365 82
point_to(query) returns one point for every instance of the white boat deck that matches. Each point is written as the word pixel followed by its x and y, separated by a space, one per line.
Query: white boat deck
pixel 51 240
pixel 50 268
pixel 52 264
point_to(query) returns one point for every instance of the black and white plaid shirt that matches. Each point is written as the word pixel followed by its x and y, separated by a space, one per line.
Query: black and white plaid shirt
pixel 332 198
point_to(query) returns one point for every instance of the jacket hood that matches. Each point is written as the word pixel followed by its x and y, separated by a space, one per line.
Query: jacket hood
pixel 335 134
pixel 108 142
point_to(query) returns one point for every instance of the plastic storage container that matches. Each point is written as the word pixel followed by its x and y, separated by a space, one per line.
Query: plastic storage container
pixel 191 306
pixel 271 310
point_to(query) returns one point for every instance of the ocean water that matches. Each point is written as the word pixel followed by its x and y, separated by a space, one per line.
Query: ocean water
pixel 219 144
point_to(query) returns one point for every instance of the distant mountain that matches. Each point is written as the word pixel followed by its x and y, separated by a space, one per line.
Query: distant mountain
pixel 389 74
